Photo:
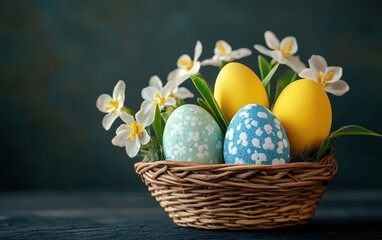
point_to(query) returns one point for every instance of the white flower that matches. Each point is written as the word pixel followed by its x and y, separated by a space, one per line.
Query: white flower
pixel 194 136
pixel 232 149
pixel 113 106
pixel 175 91
pixel 276 161
pixel 179 149
pixel 268 144
pixel 223 53
pixel 187 66
pixel 327 77
pixel 155 95
pixel 132 134
pixel 282 52
pixel 258 157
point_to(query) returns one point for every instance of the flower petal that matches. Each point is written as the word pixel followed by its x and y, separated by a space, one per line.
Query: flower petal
pixel 263 50
pixel 198 50
pixel 121 139
pixel 222 48
pixel 132 147
pixel 293 44
pixel 168 88
pixel 127 118
pixel 337 88
pixel 123 128
pixel 148 93
pixel 318 63
pixel 212 61
pixel 179 75
pixel 337 74
pixel 103 102
pixel 271 40
pixel 108 120
pixel 183 61
pixel 170 102
pixel 241 53
pixel 155 82
pixel 308 73
pixel 194 70
pixel 278 57
pixel 147 105
pixel 296 64
pixel 119 91
pixel 173 74
pixel 144 117
pixel 183 93
pixel 145 137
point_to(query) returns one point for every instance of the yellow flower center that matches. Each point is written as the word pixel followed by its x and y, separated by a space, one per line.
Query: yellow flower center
pixel 286 50
pixel 186 63
pixel 113 106
pixel 221 48
pixel 159 99
pixel 324 78
pixel 136 129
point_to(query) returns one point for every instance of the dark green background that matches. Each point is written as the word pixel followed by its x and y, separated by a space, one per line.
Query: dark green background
pixel 57 57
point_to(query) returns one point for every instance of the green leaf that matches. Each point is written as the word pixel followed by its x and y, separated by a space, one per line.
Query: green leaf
pixel 270 74
pixel 128 111
pixel 286 78
pixel 205 105
pixel 266 81
pixel 167 112
pixel 349 130
pixel 206 93
pixel 323 148
pixel 353 130
pixel 158 125
pixel 264 66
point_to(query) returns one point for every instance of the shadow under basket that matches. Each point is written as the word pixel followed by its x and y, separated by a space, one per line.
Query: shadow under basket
pixel 238 196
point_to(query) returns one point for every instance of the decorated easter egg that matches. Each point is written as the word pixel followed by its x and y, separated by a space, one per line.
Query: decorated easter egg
pixel 191 134
pixel 236 86
pixel 255 136
pixel 304 110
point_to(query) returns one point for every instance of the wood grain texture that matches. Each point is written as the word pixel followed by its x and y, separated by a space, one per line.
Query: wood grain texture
pixel 103 215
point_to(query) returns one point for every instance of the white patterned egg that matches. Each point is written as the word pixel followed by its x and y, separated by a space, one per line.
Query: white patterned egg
pixel 255 136
pixel 191 134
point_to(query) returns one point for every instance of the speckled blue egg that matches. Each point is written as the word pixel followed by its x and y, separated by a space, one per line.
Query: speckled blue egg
pixel 191 134
pixel 255 136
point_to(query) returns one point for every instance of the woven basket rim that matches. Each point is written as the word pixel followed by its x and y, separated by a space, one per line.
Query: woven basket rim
pixel 329 159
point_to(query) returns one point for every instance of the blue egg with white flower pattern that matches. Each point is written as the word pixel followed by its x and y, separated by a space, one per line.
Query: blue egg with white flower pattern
pixel 191 134
pixel 255 136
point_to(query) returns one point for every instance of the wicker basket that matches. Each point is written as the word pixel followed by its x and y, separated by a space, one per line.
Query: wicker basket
pixel 229 196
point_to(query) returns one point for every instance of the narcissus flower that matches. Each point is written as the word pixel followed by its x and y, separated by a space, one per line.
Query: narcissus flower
pixel 223 53
pixel 132 134
pixel 282 52
pixel 113 106
pixel 157 96
pixel 175 91
pixel 327 77
pixel 187 66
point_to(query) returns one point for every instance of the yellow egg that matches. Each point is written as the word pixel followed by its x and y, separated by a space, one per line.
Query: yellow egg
pixel 303 108
pixel 236 86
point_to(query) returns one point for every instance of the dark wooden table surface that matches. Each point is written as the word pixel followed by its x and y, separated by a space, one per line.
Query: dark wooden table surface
pixel 341 215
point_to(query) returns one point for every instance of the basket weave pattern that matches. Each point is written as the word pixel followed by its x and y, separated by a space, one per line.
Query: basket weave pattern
pixel 229 196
